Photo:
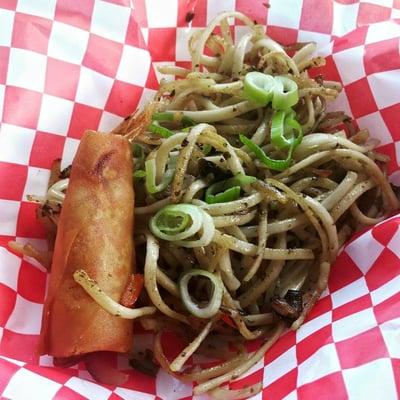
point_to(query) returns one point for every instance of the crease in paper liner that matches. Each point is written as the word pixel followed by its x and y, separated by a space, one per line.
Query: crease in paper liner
pixel 350 345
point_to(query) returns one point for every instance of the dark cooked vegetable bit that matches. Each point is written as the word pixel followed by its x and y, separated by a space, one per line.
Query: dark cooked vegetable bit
pixel 208 167
pixel 290 307
pixel 295 299
pixel 65 172
pixel 144 363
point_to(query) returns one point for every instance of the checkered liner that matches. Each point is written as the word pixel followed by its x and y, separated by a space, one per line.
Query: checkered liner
pixel 66 66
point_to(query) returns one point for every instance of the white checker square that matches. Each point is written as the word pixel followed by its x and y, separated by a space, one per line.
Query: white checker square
pixel 240 31
pixel 147 95
pixel 88 389
pixel 25 384
pixel 69 151
pixel 375 123
pixel 394 243
pixel 385 87
pixel 353 325
pixel 168 387
pixel 382 31
pixel 108 121
pixel 385 291
pixel 9 268
pixel 371 381
pixel 6 23
pixel 322 39
pixel 16 143
pixel 340 104
pixel 26 69
pixel 182 40
pixel 2 90
pixel 93 88
pixel 354 57
pixel 284 13
pixel 280 366
pixel 215 8
pixel 110 20
pixel 391 334
pixel 161 13
pixel 314 325
pixel 354 290
pixel 26 317
pixel 67 43
pixel 41 8
pixel 8 217
pixel 291 396
pixel 55 115
pixel 36 182
pixel 344 18
pixel 323 362
pixel 145 34
pixel 134 65
pixel 364 251
pixel 395 13
pixel 128 394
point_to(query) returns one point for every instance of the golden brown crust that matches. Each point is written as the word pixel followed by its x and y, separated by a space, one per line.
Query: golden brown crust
pixel 95 233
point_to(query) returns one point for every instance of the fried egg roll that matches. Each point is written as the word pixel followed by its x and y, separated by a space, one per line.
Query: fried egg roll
pixel 95 233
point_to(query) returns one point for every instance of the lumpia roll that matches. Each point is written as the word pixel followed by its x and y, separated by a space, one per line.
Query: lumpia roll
pixel 95 233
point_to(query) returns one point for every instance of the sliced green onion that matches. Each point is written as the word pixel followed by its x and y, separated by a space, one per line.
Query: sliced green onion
pixel 179 222
pixel 138 155
pixel 156 128
pixel 276 165
pixel 193 307
pixel 283 123
pixel 151 187
pixel 259 87
pixel 286 93
pixel 140 173
pixel 173 117
pixel 228 190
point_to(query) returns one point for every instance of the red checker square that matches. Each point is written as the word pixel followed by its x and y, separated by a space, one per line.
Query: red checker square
pixel 329 71
pixel 160 40
pixel 12 189
pixel 396 373
pixel 139 7
pixel 352 39
pixel 8 4
pixel 55 84
pixel 343 272
pixel 123 99
pixel 255 10
pixel 311 344
pixel 249 380
pixel 134 35
pixel 8 297
pixel 284 36
pixel 283 344
pixel 152 82
pixel 383 233
pixel 4 241
pixel 193 13
pixel 77 13
pixel 390 150
pixel 360 98
pixel 21 107
pixel 328 387
pixel 370 13
pixel 362 303
pixel 7 369
pixel 31 32
pixel 140 382
pixel 281 387
pixel 19 346
pixel 83 118
pixel 396 4
pixel 370 346
pixel 382 56
pixel 27 225
pixel 385 268
pixel 46 148
pixel 4 56
pixel 184 64
pixel 321 307
pixel 31 282
pixel 392 121
pixel 308 22
pixel 59 375
pixel 388 309
pixel 65 393
pixel 114 396
pixel 102 55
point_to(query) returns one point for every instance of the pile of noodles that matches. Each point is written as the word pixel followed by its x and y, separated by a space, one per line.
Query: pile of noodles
pixel 270 250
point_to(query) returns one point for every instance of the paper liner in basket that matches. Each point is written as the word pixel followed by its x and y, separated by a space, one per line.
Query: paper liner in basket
pixel 68 66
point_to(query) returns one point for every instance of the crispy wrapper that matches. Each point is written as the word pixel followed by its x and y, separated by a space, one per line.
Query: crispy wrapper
pixel 95 233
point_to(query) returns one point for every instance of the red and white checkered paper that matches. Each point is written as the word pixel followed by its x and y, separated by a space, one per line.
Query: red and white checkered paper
pixel 67 66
